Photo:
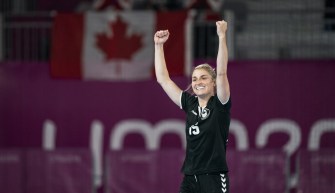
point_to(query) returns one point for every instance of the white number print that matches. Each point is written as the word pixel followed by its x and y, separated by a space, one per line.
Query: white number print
pixel 194 130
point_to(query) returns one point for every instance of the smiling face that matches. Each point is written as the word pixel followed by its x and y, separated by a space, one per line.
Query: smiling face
pixel 203 84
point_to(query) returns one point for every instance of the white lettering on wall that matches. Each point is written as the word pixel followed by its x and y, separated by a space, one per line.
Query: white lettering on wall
pixel 151 133
pixel 96 145
pixel 238 129
pixel 49 135
pixel 279 125
pixel 318 129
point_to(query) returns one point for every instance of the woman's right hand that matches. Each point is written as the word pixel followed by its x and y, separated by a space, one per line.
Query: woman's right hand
pixel 161 36
pixel 221 28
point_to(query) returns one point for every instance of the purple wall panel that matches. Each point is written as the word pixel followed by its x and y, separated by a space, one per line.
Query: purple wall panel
pixel 262 91
pixel 36 173
pixel 316 171
pixel 132 172
pixel 70 171
pixel 159 171
pixel 300 91
pixel 141 171
pixel 170 163
pixel 11 173
pixel 67 171
pixel 261 171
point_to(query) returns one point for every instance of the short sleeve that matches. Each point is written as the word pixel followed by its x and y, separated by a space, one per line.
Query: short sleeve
pixel 180 99
pixel 186 100
pixel 226 106
pixel 183 101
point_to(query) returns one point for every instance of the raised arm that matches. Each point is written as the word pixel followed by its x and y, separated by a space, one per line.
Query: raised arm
pixel 222 84
pixel 162 74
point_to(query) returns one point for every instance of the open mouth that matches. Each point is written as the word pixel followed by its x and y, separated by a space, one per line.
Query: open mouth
pixel 199 87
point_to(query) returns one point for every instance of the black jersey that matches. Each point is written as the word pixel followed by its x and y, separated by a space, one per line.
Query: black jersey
pixel 207 132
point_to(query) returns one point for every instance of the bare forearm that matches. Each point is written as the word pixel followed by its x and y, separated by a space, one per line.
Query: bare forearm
pixel 162 75
pixel 161 71
pixel 222 89
pixel 222 58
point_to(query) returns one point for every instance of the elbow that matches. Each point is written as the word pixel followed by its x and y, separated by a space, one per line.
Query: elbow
pixel 160 80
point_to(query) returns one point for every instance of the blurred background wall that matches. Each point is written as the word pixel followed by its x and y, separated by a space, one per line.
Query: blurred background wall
pixel 63 132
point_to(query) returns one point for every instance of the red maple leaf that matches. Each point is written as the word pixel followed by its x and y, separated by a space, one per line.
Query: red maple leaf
pixel 118 46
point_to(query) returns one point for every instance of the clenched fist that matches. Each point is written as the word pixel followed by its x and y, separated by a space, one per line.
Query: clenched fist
pixel 221 28
pixel 161 36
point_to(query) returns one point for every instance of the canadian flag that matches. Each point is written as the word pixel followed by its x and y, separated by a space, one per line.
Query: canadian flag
pixel 118 45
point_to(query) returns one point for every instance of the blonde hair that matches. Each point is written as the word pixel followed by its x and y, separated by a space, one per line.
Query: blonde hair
pixel 208 68
pixel 205 67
